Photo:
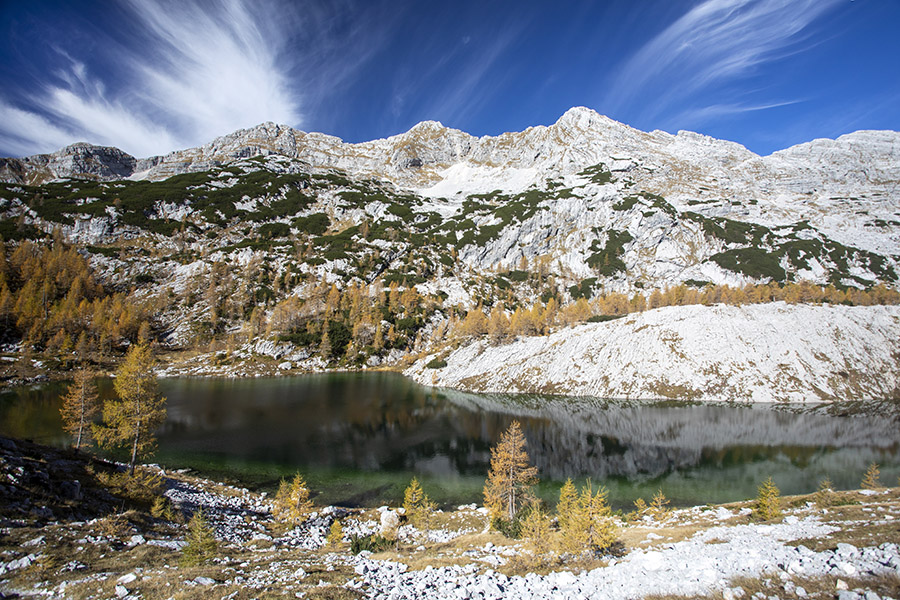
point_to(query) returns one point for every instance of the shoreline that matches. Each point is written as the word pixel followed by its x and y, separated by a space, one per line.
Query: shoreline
pixel 844 542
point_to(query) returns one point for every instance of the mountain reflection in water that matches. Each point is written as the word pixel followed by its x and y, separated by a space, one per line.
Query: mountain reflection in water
pixel 380 422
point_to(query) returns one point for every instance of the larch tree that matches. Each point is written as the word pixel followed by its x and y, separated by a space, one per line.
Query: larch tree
pixel 568 503
pixel 589 525
pixel 417 505
pixel 80 406
pixel 292 503
pixel 139 410
pixel 511 476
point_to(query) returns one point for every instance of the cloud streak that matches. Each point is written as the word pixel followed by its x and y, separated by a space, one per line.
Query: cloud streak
pixel 199 73
pixel 715 43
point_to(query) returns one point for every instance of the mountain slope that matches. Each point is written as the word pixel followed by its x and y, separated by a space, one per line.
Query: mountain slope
pixel 367 253
pixel 762 353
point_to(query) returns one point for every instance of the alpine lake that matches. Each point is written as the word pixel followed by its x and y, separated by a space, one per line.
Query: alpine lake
pixel 359 438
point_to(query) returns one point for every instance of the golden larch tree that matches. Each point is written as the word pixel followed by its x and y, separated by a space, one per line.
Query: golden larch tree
pixel 590 525
pixel 292 503
pixel 139 410
pixel 511 476
pixel 79 407
pixel 417 506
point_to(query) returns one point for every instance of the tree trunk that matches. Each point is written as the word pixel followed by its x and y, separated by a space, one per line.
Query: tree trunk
pixel 511 499
pixel 80 421
pixel 134 452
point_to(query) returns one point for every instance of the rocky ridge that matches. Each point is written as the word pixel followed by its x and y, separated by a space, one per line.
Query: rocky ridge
pixel 583 207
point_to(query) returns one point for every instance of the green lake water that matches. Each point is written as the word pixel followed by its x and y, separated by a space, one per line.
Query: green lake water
pixel 359 438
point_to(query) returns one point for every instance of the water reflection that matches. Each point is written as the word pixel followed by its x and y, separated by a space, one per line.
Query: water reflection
pixel 384 423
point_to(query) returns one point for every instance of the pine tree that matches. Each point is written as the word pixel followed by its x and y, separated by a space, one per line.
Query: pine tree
pixel 872 478
pixel 201 542
pixel 416 505
pixel 378 343
pixel 593 525
pixel 825 493
pixel 80 405
pixel 568 503
pixel 659 505
pixel 335 534
pixel 510 479
pixel 768 501
pixel 138 412
pixel 536 530
pixel 325 344
pixel 292 503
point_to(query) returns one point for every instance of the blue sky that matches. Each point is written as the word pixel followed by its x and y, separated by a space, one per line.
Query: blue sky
pixel 150 76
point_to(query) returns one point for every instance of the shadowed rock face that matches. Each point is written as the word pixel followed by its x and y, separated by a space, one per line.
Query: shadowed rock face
pixel 77 160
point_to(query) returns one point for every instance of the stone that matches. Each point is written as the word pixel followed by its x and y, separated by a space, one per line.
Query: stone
pixel 126 579
pixel 841 585
pixel 390 522
pixel 204 581
pixel 121 591
pixel 70 490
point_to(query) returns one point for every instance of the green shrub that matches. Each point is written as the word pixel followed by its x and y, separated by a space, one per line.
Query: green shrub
pixel 607 258
pixel 314 224
pixel 274 230
pixel 603 318
pixel 371 543
pixel 626 203
pixel 753 262
pixel 436 363
pixel 584 289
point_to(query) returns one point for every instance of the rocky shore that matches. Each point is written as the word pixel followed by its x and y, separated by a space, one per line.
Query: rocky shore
pixel 64 536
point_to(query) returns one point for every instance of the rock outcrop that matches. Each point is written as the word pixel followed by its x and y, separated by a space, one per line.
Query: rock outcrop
pixel 756 353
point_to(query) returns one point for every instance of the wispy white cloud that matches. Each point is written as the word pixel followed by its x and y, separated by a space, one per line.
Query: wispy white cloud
pixel 215 72
pixel 693 116
pixel 715 43
pixel 202 70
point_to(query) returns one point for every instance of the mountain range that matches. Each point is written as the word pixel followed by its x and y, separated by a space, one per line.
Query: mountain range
pixel 583 207
pixel 826 210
